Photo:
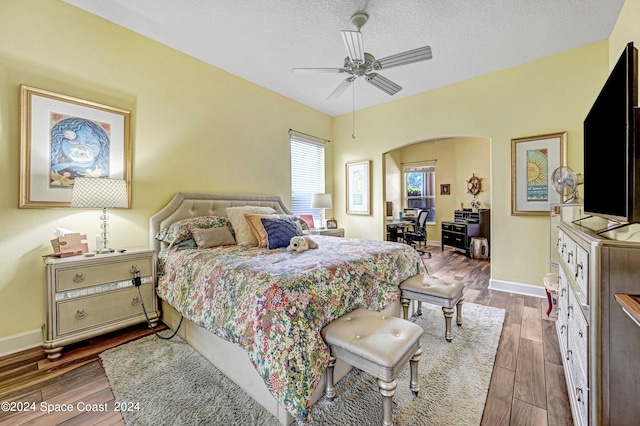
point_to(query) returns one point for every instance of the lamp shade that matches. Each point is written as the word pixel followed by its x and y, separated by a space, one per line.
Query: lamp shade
pixel 99 193
pixel 321 201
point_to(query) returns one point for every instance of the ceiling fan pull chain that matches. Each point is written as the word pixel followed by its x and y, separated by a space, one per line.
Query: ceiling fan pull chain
pixel 353 115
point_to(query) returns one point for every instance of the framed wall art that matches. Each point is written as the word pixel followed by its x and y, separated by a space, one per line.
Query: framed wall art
pixel 62 138
pixel 358 188
pixel 445 189
pixel 533 160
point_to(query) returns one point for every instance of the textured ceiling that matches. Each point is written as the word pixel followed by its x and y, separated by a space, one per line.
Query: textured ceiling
pixel 262 40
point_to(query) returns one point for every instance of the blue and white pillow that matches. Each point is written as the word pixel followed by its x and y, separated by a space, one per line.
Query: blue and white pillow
pixel 279 232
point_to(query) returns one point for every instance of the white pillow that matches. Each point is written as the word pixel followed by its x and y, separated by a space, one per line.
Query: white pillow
pixel 244 236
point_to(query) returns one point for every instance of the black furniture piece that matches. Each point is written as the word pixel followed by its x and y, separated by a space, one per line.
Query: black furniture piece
pixel 419 234
pixel 466 224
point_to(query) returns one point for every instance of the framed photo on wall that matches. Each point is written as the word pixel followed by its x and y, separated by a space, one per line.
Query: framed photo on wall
pixel 445 189
pixel 358 188
pixel 62 138
pixel 533 160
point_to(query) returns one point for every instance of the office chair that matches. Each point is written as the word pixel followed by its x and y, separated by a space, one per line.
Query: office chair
pixel 419 234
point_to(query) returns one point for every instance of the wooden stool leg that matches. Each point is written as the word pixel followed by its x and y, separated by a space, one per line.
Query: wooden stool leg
pixel 387 389
pixel 329 390
pixel 415 377
pixel 459 311
pixel 419 308
pixel 405 307
pixel 448 314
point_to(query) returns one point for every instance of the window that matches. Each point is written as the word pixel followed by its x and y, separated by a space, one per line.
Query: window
pixel 307 175
pixel 420 188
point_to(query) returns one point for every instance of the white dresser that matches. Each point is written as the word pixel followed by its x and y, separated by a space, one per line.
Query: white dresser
pixel 600 343
pixel 89 296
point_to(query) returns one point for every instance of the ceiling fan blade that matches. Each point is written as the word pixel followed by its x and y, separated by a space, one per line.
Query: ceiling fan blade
pixel 317 70
pixel 382 83
pixel 404 58
pixel 341 88
pixel 355 46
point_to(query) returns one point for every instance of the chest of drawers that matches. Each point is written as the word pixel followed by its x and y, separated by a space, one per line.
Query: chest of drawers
pixel 599 343
pixel 89 296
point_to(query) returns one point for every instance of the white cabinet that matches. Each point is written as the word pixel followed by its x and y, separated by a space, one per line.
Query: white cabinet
pixel 600 345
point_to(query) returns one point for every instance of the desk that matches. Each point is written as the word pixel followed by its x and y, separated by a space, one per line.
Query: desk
pixel 394 225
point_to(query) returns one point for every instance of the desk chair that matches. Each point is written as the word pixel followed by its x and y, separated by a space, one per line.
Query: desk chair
pixel 419 234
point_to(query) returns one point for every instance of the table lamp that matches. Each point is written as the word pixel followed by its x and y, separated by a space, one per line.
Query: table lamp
pixel 321 201
pixel 100 193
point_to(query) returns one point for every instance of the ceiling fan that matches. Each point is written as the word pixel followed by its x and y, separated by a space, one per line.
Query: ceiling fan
pixel 359 63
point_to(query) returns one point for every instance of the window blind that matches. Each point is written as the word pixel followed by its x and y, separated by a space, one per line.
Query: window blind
pixel 307 175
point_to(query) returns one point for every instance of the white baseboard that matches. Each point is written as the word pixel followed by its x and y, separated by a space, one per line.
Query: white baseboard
pixel 20 342
pixel 517 288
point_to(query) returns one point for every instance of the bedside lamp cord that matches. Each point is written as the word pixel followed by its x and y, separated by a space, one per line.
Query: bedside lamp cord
pixel 137 281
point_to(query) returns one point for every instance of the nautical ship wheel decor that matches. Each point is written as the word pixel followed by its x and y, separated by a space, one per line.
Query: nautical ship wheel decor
pixel 474 185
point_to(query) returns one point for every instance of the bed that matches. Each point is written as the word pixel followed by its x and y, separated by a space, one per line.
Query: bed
pixel 256 313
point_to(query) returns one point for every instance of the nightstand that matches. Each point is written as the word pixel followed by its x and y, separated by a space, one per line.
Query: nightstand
pixel 89 296
pixel 335 232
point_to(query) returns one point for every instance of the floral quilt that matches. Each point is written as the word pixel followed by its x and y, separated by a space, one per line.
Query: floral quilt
pixel 274 303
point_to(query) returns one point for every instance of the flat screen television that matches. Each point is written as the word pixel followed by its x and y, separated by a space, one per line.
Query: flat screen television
pixel 611 151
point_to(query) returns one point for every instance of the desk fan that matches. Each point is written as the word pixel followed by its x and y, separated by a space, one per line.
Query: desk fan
pixel 565 182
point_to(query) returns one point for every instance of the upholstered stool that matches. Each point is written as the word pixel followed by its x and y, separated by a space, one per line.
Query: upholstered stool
pixel 377 344
pixel 435 291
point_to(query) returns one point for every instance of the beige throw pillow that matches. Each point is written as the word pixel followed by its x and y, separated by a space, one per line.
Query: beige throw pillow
pixel 213 237
pixel 244 236
pixel 258 228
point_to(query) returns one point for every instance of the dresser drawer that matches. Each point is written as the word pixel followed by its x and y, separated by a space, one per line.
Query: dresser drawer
pixel 582 272
pixel 447 226
pixel 454 239
pixel 89 275
pixel 81 313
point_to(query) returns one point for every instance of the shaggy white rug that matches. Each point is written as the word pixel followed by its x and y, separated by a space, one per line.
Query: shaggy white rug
pixel 174 385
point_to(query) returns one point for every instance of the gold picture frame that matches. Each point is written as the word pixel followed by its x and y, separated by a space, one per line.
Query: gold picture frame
pixel 358 187
pixel 62 137
pixel 533 160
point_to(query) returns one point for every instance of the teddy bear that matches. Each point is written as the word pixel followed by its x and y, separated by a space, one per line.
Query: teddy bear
pixel 300 244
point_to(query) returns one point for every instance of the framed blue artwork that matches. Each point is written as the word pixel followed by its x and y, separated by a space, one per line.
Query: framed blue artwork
pixel 63 138
pixel 533 160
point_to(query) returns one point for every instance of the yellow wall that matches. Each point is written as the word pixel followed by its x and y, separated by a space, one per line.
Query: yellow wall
pixel 627 29
pixel 548 95
pixel 195 128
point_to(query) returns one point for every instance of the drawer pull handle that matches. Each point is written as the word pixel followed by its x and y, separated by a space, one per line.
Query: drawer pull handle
pixel 579 393
pixel 562 329
pixel 569 352
pixel 81 314
pixel 78 278
pixel 135 301
pixel 578 270
pixel 580 333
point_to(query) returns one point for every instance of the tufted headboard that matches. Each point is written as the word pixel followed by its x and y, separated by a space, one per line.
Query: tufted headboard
pixel 193 204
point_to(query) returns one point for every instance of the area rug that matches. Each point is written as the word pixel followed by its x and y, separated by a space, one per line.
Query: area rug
pixel 174 385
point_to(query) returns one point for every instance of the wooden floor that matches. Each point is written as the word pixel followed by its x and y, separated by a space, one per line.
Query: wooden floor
pixel 527 385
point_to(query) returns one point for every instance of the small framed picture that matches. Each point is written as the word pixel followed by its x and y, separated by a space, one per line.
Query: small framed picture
pixel 332 223
pixel 445 189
